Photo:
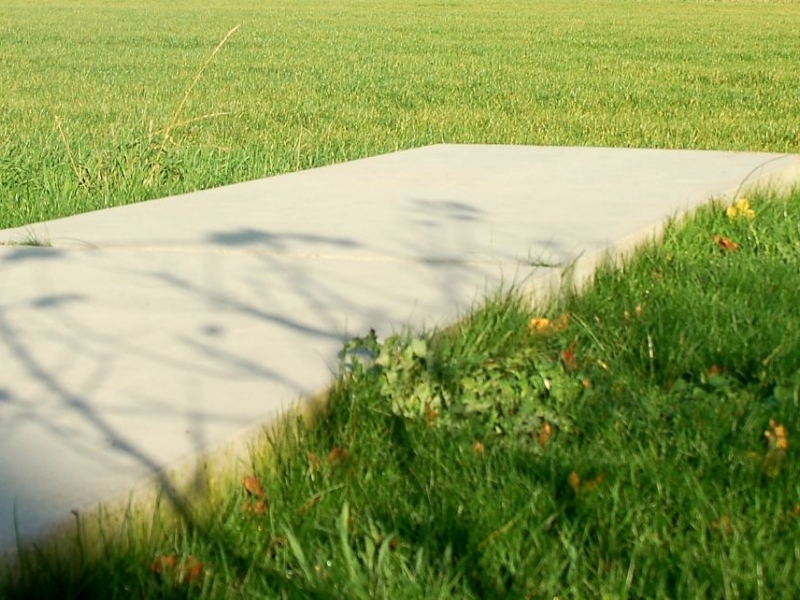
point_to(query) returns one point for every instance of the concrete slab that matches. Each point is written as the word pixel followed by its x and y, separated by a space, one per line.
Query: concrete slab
pixel 151 332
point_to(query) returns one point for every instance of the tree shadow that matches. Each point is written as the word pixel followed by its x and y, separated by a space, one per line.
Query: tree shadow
pixel 258 294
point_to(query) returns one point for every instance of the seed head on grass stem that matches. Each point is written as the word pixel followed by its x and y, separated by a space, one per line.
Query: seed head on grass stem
pixel 173 123
pixel 80 178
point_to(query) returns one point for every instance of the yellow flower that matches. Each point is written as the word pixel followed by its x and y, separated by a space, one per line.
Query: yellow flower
pixel 740 208
pixel 776 436
pixel 777 445
pixel 543 326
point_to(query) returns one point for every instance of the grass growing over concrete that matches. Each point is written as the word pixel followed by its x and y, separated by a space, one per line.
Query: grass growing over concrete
pixel 637 440
pixel 93 113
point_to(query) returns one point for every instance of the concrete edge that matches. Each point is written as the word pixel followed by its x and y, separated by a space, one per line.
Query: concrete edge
pixel 188 487
pixel 580 272
pixel 194 478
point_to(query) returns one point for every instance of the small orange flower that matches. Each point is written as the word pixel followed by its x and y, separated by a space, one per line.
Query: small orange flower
pixel 776 436
pixel 539 325
pixel 544 326
pixel 777 445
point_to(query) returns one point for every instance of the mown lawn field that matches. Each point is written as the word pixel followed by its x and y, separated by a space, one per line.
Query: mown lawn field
pixel 92 110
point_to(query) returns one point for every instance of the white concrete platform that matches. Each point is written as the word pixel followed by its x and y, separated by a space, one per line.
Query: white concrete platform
pixel 151 332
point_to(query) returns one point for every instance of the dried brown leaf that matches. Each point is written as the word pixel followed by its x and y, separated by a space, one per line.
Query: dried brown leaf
pixel 592 484
pixel 544 434
pixel 255 507
pixel 725 244
pixel 191 570
pixel 574 481
pixel 309 503
pixel 723 525
pixel 314 462
pixel 163 563
pixel 338 456
pixel 431 414
pixel 568 360
pixel 253 486
pixel 187 570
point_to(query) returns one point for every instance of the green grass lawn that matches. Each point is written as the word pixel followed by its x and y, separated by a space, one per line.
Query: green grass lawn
pixel 639 443
pixel 90 89
pixel 636 440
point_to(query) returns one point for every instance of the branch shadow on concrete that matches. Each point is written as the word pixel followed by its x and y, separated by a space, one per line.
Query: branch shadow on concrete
pixel 281 287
